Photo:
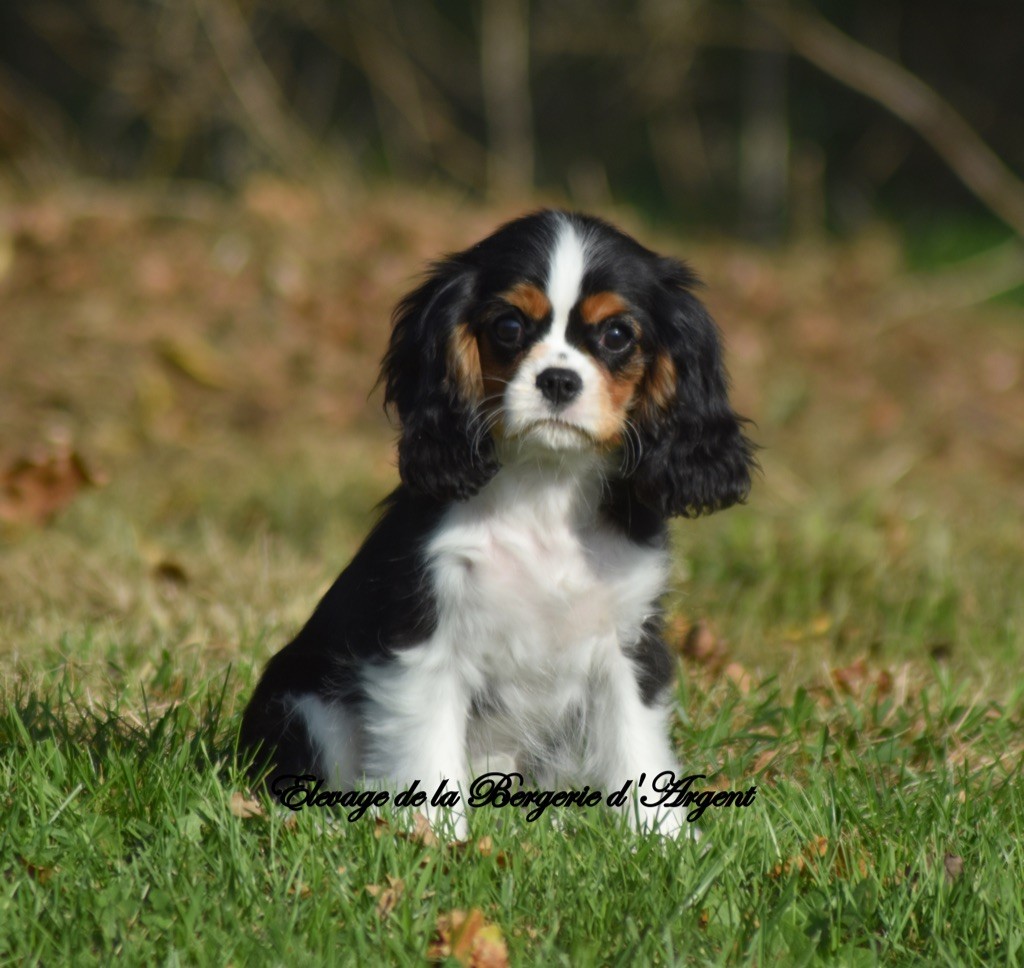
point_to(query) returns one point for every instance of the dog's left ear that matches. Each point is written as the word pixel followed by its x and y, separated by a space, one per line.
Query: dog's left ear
pixel 694 456
pixel 431 376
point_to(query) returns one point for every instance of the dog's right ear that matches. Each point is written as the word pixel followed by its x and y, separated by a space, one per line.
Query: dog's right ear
pixel 432 380
pixel 695 456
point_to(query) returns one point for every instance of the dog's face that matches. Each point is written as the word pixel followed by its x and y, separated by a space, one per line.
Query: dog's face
pixel 560 333
pixel 562 356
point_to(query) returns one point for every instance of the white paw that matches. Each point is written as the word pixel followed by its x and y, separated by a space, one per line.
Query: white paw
pixel 447 823
pixel 665 822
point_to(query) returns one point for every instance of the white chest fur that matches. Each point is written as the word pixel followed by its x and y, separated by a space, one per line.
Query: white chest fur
pixel 534 593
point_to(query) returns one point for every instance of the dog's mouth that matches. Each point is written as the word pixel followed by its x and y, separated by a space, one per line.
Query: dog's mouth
pixel 555 430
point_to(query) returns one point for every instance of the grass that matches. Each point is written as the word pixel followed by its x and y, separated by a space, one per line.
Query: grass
pixel 887 824
pixel 884 829
pixel 848 641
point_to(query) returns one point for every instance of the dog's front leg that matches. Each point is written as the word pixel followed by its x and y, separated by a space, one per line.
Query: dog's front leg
pixel 415 718
pixel 627 738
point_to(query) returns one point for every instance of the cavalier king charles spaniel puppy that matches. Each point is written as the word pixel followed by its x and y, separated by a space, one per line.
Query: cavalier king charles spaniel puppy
pixel 561 395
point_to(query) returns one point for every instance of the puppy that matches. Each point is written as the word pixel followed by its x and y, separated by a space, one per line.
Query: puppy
pixel 561 395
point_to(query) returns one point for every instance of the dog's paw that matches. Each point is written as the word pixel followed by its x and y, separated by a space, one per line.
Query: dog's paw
pixel 448 823
pixel 663 822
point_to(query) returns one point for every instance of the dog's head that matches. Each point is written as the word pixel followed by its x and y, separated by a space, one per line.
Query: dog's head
pixel 559 333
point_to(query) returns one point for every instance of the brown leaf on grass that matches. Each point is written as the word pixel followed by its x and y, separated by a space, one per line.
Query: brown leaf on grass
pixel 764 760
pixel 157 275
pixel 821 624
pixel 41 875
pixel 168 572
pixel 277 200
pixel 300 890
pixel 855 678
pixel 702 646
pixel 485 847
pixel 739 677
pixel 850 679
pixel 387 897
pixel 848 861
pixel 811 854
pixel 34 488
pixel 952 870
pixel 954 866
pixel 191 355
pixel 469 939
pixel 241 806
pixel 422 832
pixel 817 847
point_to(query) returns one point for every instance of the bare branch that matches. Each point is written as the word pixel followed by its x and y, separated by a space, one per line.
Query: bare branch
pixel 909 98
pixel 967 283
pixel 265 114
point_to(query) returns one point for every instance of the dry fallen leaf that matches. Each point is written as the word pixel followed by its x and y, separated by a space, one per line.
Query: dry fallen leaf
pixel 242 806
pixel 954 866
pixel 850 679
pixel 485 847
pixel 40 875
pixel 34 488
pixel 739 677
pixel 856 677
pixel 387 897
pixel 764 760
pixel 278 200
pixel 812 852
pixel 469 939
pixel 850 861
pixel 702 646
pixel 169 572
pixel 422 832
pixel 191 355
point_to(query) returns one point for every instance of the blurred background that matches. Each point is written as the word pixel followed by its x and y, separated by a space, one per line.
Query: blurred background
pixel 207 209
pixel 757 116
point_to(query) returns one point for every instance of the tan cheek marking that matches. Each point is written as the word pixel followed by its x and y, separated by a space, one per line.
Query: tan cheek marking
pixel 464 362
pixel 620 390
pixel 600 306
pixel 496 376
pixel 528 298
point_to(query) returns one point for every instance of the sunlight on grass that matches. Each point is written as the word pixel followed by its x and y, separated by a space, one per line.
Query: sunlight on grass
pixel 848 641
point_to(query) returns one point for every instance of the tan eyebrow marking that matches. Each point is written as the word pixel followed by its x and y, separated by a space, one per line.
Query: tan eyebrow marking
pixel 528 298
pixel 600 306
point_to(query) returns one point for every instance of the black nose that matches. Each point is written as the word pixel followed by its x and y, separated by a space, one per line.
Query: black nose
pixel 559 385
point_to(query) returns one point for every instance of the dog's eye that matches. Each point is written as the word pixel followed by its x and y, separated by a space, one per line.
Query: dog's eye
pixel 507 330
pixel 617 338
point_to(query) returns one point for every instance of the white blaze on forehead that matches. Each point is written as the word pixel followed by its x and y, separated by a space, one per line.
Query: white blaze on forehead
pixel 527 410
pixel 565 277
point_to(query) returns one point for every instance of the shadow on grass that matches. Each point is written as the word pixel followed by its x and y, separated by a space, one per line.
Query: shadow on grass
pixel 198 733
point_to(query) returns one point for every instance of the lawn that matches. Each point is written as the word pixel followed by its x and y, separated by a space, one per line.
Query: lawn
pixel 191 449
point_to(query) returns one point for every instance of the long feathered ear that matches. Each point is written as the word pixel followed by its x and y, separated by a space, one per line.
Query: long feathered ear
pixel 431 376
pixel 694 456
